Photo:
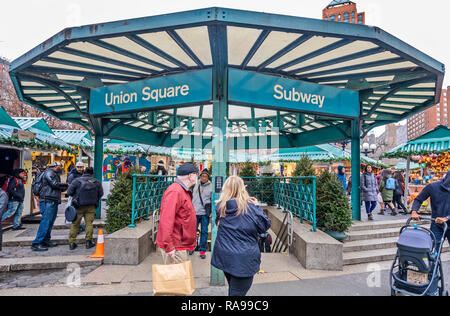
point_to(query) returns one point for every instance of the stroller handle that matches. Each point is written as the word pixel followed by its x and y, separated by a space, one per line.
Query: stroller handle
pixel 432 220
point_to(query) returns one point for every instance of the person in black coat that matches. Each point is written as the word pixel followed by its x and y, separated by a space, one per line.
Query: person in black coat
pixel 16 194
pixel 236 251
pixel 439 193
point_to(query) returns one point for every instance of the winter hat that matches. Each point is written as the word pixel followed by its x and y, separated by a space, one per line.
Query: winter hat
pixel 187 169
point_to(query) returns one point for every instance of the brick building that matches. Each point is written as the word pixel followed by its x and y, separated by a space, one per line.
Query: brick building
pixel 343 11
pixel 429 119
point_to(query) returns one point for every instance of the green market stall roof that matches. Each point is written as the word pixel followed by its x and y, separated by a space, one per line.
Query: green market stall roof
pixel 325 152
pixel 44 133
pixel 122 147
pixel 75 137
pixel 393 79
pixel 435 141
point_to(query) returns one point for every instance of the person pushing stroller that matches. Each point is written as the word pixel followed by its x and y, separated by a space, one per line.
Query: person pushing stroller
pixel 439 194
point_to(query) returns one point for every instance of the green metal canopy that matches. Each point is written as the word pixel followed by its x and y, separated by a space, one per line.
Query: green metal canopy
pixel 394 80
pixel 43 132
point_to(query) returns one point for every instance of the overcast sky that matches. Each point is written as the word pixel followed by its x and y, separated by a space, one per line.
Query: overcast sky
pixel 26 23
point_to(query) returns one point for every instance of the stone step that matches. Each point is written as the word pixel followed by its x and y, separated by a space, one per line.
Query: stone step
pixel 370 244
pixel 46 263
pixel 363 226
pixel 377 255
pixel 372 234
pixel 59 240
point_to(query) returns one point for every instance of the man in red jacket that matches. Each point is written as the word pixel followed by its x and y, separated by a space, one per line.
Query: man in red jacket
pixel 177 231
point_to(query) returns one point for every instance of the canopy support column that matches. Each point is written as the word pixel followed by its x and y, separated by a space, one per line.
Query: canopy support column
pixel 98 166
pixel 218 38
pixel 356 169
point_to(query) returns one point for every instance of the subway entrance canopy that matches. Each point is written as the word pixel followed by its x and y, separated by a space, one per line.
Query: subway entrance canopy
pixel 228 79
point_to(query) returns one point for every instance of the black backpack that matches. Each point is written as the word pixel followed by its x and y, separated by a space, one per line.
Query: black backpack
pixel 37 185
pixel 88 193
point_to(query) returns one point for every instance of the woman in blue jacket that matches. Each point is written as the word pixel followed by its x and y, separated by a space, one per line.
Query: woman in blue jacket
pixel 236 251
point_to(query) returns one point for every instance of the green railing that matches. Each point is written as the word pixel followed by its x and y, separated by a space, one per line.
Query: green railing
pixel 297 195
pixel 147 195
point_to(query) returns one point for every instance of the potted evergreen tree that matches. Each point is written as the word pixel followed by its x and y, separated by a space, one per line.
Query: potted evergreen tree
pixel 332 208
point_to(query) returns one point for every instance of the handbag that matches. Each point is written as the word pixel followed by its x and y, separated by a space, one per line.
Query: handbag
pixel 173 279
pixel 70 212
pixel 207 206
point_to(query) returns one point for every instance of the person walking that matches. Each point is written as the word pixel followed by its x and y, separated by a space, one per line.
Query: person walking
pixel 76 172
pixel 86 192
pixel 236 251
pixel 387 187
pixel 49 199
pixel 3 206
pixel 202 200
pixel 161 170
pixel 439 194
pixel 16 193
pixel 399 192
pixel 369 191
pixel 342 178
pixel 177 231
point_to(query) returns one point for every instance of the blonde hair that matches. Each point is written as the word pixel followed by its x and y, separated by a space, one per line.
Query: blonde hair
pixel 234 188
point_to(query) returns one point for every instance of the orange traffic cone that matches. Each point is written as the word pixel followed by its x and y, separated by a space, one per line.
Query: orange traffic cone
pixel 100 250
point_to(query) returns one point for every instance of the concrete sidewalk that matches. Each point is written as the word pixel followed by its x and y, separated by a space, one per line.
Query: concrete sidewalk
pixel 282 276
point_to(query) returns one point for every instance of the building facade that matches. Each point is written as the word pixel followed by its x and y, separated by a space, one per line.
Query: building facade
pixel 431 118
pixel 343 11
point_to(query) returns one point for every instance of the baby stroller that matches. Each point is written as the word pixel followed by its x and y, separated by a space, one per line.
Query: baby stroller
pixel 417 268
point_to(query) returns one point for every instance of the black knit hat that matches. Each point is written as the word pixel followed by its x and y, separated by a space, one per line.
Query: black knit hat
pixel 187 169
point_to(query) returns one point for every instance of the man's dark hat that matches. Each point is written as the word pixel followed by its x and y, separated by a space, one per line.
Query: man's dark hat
pixel 187 169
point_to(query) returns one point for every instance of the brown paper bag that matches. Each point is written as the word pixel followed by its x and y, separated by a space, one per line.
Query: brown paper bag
pixel 173 279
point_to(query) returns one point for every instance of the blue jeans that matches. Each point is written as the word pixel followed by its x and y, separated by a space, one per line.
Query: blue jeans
pixel 16 209
pixel 203 220
pixel 370 206
pixel 49 211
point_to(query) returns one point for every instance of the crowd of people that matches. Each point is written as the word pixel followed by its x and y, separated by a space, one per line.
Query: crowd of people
pixel 84 190
pixel 386 189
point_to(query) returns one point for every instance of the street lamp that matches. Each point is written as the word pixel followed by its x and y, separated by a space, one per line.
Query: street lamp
pixel 367 149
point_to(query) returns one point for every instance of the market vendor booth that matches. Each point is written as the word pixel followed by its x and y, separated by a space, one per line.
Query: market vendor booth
pixel 431 152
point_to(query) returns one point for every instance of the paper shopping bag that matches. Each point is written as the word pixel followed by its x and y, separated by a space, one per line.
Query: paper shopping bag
pixel 173 279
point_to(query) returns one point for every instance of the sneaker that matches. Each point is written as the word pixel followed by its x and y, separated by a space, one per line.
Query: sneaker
pixel 19 228
pixel 394 213
pixel 202 255
pixel 381 213
pixel 190 252
pixel 73 246
pixel 90 244
pixel 370 216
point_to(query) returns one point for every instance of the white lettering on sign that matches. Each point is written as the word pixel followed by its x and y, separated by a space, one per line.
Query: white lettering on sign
pixel 112 99
pixel 297 96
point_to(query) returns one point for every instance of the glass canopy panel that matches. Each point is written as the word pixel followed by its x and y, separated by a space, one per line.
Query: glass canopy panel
pixel 164 42
pixel 197 38
pixel 103 52
pixel 137 49
pixel 312 45
pixel 273 43
pixel 240 41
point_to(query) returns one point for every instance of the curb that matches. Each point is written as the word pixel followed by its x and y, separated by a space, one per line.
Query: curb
pixel 46 263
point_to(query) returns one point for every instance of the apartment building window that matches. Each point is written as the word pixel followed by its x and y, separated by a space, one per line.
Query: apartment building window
pixel 332 18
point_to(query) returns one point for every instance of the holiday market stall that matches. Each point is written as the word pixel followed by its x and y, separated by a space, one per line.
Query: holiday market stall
pixel 432 152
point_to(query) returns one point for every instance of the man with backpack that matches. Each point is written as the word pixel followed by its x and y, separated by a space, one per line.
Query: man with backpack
pixel 387 188
pixel 15 190
pixel 86 192
pixel 48 187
